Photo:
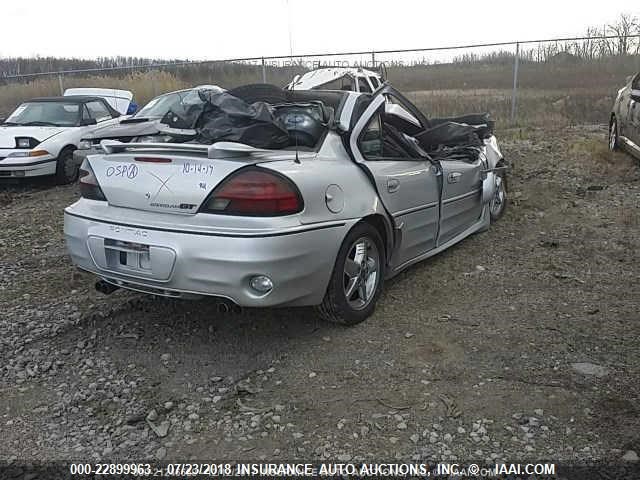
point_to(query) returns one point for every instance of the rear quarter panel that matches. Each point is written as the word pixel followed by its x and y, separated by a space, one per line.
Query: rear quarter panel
pixel 331 168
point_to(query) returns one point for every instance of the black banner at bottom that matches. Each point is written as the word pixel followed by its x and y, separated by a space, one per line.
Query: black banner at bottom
pixel 78 470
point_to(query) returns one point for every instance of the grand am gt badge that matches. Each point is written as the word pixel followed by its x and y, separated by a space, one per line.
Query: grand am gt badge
pixel 171 206
pixel 174 206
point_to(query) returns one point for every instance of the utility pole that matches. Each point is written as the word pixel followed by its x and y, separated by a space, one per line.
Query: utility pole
pixel 514 94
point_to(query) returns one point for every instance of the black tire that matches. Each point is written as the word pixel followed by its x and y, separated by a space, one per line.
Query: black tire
pixel 335 306
pixel 66 170
pixel 260 92
pixel 613 135
pixel 497 213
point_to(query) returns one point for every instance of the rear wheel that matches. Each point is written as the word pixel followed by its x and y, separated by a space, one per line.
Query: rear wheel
pixel 66 169
pixel 613 135
pixel 357 278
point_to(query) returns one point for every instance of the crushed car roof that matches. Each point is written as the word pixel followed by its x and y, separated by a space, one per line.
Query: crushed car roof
pixel 321 76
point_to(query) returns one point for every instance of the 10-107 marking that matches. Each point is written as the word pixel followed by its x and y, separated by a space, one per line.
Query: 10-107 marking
pixel 188 168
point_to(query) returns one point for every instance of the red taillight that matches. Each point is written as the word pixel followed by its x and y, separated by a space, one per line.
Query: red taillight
pixel 89 186
pixel 255 192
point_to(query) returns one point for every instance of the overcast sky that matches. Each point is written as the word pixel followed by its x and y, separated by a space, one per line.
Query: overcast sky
pixel 225 29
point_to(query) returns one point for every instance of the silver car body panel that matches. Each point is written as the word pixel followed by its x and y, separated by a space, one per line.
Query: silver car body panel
pixel 626 110
pixel 149 235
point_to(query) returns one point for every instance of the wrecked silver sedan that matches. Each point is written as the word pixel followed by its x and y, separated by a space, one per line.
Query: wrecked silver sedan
pixel 312 200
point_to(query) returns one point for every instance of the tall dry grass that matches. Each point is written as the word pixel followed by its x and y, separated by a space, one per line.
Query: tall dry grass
pixel 534 106
pixel 145 86
pixel 554 92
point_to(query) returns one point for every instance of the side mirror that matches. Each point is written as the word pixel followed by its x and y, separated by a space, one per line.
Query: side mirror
pixel 85 122
pixel 2 119
pixel 635 95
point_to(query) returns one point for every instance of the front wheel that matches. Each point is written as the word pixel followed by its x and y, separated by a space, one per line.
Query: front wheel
pixel 66 169
pixel 357 278
pixel 498 203
pixel 613 135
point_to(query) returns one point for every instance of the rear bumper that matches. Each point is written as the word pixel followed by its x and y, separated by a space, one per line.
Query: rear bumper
pixel 194 264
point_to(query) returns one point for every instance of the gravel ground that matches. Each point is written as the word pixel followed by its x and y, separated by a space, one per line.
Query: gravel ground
pixel 518 344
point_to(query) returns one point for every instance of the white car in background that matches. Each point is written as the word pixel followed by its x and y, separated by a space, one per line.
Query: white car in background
pixel 337 78
pixel 118 99
pixel 40 136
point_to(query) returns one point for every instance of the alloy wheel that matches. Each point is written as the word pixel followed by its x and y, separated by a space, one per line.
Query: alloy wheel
pixel 498 200
pixel 361 268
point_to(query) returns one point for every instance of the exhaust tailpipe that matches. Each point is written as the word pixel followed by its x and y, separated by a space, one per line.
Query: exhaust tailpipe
pixel 106 288
pixel 227 306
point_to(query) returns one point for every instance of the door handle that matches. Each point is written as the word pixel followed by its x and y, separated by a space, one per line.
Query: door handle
pixel 453 177
pixel 393 184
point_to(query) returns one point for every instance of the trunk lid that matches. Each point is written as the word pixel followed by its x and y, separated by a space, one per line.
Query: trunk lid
pixel 171 178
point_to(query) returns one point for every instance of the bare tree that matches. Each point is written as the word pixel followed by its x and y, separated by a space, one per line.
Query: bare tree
pixel 625 26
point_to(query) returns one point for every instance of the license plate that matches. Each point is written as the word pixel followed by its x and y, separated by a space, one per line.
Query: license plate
pixel 131 255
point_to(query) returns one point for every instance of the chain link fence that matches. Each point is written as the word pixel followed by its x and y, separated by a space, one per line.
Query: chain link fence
pixel 533 82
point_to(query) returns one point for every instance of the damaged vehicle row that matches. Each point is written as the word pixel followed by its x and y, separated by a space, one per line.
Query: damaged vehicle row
pixel 40 136
pixel 309 197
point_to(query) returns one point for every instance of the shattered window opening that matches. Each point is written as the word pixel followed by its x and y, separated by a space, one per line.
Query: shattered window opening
pixel 380 140
pixel 364 85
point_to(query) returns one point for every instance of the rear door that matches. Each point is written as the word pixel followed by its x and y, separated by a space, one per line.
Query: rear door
pixel 407 184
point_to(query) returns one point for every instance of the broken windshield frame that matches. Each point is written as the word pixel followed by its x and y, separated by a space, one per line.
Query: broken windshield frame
pixel 159 106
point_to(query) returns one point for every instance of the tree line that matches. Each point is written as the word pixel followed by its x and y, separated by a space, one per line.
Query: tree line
pixel 621 43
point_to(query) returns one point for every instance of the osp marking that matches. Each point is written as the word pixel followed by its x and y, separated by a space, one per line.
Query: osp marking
pixel 129 171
